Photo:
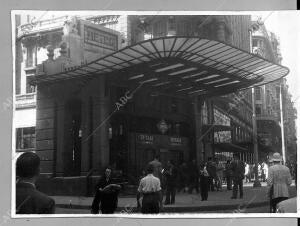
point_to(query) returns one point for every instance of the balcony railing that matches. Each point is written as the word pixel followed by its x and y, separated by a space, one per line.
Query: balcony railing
pixel 43 25
pixel 267 117
pixel 26 100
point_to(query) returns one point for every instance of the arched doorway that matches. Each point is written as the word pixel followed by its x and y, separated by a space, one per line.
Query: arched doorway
pixel 72 138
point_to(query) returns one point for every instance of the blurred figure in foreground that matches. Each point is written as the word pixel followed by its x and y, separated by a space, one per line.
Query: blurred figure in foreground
pixel 279 180
pixel 28 199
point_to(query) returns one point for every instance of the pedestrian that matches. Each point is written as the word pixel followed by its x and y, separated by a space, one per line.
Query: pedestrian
pixel 228 175
pixel 219 175
pixel 183 177
pixel 28 199
pixel 247 173
pixel 150 189
pixel 238 174
pixel 157 166
pixel 106 194
pixel 193 177
pixel 279 180
pixel 171 175
pixel 204 176
pixel 211 169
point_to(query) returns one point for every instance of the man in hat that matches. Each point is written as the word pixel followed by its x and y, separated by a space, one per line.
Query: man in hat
pixel 279 179
pixel 28 199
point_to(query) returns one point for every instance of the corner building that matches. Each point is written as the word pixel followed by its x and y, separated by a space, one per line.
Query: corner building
pixel 85 122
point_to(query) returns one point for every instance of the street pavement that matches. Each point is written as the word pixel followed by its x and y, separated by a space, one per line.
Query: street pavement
pixel 255 199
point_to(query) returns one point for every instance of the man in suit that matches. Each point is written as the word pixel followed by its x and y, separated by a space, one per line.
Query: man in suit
pixel 106 194
pixel 28 199
pixel 279 179
pixel 238 174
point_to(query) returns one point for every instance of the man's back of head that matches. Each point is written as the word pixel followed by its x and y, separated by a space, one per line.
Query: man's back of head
pixel 28 165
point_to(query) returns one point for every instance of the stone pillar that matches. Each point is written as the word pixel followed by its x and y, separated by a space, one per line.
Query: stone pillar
pixel 101 124
pixel 45 133
pixel 198 127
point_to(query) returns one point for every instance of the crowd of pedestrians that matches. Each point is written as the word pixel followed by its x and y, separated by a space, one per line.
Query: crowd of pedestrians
pixel 158 184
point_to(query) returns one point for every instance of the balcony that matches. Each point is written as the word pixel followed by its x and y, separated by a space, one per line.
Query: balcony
pixel 41 26
pixel 266 117
pixel 26 101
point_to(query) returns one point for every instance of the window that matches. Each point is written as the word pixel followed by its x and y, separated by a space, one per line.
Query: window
pixel 25 138
pixel 30 88
pixel 159 29
pixel 257 94
pixel 255 43
pixel 258 110
pixel 30 61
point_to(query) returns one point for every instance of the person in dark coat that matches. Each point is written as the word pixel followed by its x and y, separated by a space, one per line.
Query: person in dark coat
pixel 238 174
pixel 106 194
pixel 183 177
pixel 228 175
pixel 171 176
pixel 204 181
pixel 193 177
pixel 212 171
pixel 28 199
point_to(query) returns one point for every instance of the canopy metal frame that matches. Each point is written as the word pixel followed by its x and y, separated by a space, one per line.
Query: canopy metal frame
pixel 179 65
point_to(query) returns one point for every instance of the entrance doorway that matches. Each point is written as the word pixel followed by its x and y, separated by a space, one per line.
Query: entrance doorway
pixel 72 141
pixel 175 155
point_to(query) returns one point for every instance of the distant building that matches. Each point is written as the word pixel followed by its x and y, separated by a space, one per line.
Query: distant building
pixel 267 100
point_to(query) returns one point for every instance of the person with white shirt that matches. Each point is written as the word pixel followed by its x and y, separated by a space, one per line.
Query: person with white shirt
pixel 150 189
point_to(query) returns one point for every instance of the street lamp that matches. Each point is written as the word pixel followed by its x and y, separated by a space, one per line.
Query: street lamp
pixel 256 183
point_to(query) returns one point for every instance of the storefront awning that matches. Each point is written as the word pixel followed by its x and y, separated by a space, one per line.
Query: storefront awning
pixel 179 65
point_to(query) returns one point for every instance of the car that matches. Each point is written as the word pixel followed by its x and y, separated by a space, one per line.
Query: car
pixel 287 206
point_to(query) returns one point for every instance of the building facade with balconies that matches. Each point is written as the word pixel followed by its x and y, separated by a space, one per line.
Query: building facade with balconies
pixel 267 101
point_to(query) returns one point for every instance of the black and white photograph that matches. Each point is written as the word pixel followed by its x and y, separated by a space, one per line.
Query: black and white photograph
pixel 150 114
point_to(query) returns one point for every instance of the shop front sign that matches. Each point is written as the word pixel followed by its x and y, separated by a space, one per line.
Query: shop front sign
pixel 145 139
pixel 175 141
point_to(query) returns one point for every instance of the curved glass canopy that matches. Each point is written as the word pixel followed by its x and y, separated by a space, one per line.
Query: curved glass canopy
pixel 180 65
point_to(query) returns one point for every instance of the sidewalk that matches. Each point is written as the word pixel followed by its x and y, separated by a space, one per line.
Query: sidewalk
pixel 217 200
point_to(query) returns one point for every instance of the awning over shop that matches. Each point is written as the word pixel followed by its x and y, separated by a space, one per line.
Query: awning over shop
pixel 179 65
pixel 230 147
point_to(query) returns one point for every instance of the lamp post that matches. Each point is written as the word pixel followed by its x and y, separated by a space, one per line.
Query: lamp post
pixel 255 148
pixel 282 125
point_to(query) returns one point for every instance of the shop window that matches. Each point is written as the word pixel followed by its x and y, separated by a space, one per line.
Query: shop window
pixel 25 138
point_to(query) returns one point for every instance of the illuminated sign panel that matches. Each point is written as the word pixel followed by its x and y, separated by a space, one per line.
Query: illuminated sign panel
pixel 145 139
pixel 100 38
pixel 175 140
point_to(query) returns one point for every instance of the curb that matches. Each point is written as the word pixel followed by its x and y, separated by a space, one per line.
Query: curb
pixel 237 208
